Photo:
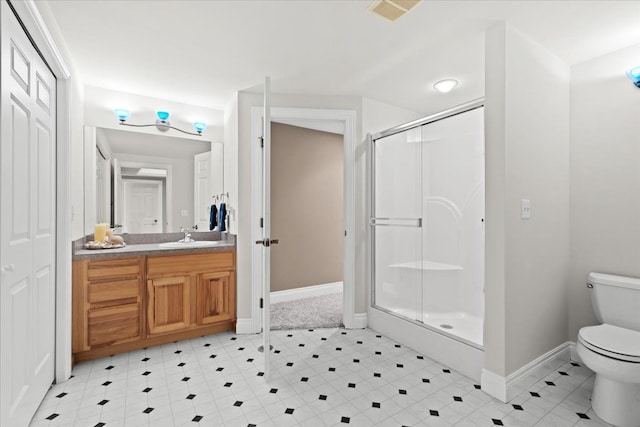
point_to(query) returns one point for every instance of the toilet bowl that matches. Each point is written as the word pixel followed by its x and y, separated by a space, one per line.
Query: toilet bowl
pixel 613 353
pixel 612 349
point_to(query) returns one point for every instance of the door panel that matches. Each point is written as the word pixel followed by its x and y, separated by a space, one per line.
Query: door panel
pixel 27 224
pixel 169 304
pixel 215 298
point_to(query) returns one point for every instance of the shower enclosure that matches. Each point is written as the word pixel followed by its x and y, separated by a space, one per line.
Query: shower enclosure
pixel 427 233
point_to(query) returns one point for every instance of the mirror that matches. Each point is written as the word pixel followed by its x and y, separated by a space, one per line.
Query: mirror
pixel 147 183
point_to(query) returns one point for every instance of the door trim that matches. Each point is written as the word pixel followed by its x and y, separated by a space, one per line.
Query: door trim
pixel 37 29
pixel 347 119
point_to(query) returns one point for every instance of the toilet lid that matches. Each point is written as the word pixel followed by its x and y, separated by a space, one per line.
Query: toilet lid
pixel 612 341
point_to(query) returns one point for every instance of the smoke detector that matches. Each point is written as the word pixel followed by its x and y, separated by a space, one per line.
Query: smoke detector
pixel 392 9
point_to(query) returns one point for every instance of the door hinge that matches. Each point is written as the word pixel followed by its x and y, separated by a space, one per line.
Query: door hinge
pixel 261 142
pixel 261 222
pixel 261 303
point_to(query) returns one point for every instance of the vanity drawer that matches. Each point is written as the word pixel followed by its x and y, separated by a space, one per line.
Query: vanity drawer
pixel 174 264
pixel 101 269
pixel 114 290
pixel 114 324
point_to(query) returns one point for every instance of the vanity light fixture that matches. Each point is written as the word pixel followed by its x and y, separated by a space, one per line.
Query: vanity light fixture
pixel 162 123
pixel 445 86
pixel 634 76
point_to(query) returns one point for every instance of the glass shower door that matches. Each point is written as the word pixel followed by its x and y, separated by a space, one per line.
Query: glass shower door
pixel 396 223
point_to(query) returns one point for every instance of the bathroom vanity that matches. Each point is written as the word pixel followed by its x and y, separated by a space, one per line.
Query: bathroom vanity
pixel 148 294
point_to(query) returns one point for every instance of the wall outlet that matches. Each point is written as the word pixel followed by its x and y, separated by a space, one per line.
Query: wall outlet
pixel 184 212
pixel 525 208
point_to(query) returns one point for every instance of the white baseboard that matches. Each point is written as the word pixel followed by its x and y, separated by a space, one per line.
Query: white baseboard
pixel 507 388
pixel 359 321
pixel 493 384
pixel 306 292
pixel 245 326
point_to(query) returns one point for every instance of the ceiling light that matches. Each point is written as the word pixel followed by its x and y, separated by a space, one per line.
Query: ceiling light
pixel 446 85
pixel 162 123
pixel 634 75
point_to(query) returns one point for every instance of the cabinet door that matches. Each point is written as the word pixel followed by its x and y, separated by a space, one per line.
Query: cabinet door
pixel 216 298
pixel 168 304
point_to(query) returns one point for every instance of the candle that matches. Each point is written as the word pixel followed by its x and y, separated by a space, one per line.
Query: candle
pixel 100 231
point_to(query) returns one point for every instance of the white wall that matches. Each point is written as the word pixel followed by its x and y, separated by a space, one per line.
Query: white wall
pixel 605 176
pixel 527 157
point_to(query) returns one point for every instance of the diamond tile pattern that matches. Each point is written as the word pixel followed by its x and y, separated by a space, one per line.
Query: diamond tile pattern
pixel 319 377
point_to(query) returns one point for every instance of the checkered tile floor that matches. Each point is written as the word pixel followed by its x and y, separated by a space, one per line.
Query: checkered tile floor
pixel 322 377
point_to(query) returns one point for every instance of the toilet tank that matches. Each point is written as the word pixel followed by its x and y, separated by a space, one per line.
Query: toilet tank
pixel 616 299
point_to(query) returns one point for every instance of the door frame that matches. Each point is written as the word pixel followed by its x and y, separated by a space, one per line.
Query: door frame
pixel 37 29
pixel 346 121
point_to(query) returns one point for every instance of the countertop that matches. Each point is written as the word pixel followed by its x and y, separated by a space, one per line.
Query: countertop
pixel 148 244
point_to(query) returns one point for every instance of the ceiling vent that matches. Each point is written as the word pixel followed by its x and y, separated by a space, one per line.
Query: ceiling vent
pixel 392 9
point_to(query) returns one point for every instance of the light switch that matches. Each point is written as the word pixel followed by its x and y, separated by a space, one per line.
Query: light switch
pixel 184 212
pixel 525 208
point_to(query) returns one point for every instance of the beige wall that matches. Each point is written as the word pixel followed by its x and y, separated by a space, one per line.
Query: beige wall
pixel 306 207
pixel 527 151
pixel 605 176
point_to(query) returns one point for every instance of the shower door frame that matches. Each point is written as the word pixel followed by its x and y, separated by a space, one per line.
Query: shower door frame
pixel 371 138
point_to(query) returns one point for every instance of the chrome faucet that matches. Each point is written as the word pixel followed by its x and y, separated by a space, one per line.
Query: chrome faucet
pixel 187 235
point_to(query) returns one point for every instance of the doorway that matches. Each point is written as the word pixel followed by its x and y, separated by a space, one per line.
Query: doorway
pixel 307 186
pixel 336 121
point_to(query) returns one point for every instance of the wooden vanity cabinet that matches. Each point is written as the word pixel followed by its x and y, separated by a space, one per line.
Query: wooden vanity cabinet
pixel 123 304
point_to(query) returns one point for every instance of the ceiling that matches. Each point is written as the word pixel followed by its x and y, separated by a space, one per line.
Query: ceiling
pixel 202 52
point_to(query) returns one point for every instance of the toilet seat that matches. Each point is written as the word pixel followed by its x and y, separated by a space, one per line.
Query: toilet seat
pixel 612 341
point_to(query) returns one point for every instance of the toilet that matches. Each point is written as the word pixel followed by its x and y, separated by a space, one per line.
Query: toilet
pixel 612 349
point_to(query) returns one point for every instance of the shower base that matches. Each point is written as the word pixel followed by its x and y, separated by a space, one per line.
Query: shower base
pixel 459 347
pixel 463 325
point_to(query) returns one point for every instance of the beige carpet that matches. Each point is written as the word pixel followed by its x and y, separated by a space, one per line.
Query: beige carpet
pixel 324 311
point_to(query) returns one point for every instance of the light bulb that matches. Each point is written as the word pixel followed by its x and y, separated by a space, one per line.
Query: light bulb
pixel 121 114
pixel 199 126
pixel 163 115
pixel 446 85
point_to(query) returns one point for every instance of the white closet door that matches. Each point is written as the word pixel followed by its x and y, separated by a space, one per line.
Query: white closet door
pixel 27 224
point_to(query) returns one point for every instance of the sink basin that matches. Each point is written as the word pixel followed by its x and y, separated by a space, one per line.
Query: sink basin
pixel 188 245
